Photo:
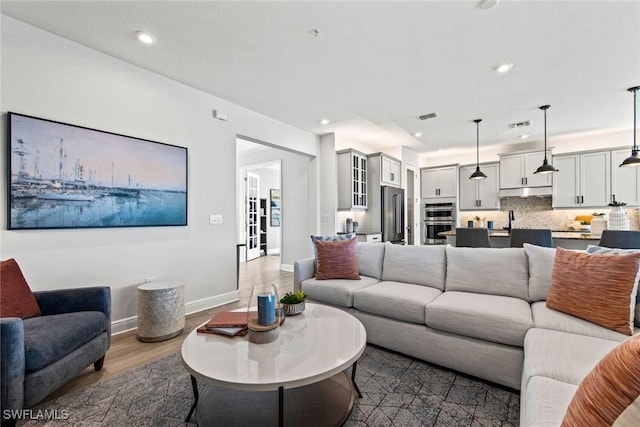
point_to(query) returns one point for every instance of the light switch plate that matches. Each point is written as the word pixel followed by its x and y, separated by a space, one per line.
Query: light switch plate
pixel 215 219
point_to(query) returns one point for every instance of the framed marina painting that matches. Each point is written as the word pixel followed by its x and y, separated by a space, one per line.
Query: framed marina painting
pixel 67 176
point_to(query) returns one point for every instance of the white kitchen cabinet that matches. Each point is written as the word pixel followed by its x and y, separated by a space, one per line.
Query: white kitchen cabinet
pixel 440 182
pixel 517 170
pixel 582 180
pixel 352 180
pixel 390 171
pixel 480 194
pixel 370 238
pixel 625 182
pixel 384 168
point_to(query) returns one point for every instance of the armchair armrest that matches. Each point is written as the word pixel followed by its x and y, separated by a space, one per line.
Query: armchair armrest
pixel 12 363
pixel 302 270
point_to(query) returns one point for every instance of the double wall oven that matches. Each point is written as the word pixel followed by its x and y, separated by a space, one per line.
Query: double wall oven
pixel 437 218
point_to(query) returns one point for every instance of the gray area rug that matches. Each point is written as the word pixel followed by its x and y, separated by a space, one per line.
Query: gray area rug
pixel 397 391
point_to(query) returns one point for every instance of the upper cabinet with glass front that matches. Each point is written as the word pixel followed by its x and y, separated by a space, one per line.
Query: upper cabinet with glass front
pixel 352 180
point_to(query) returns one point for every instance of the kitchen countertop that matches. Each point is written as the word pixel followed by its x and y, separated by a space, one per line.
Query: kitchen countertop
pixel 556 234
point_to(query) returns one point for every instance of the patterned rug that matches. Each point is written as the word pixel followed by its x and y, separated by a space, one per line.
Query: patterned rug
pixel 397 391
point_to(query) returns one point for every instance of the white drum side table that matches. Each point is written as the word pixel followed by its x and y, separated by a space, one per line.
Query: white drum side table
pixel 160 310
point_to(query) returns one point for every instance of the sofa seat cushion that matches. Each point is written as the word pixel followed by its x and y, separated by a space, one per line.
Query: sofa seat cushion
pixel 546 402
pixel 562 356
pixel 337 292
pixel 494 318
pixel 401 301
pixel 547 318
pixel 47 339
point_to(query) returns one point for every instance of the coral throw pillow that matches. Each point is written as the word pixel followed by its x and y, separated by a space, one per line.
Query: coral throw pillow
pixel 337 259
pixel 597 288
pixel 607 394
pixel 16 298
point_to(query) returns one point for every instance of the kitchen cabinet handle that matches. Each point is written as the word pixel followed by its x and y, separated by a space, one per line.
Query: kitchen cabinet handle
pixel 526 180
pixel 577 199
pixel 480 203
pixel 392 177
pixel 581 199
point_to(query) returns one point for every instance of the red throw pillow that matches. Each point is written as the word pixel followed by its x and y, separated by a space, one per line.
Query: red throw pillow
pixel 337 259
pixel 605 395
pixel 16 298
pixel 597 288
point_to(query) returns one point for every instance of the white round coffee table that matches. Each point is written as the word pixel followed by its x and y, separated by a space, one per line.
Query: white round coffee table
pixel 295 380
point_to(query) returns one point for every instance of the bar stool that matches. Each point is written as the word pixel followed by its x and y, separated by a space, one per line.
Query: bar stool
pixel 621 239
pixel 539 237
pixel 472 238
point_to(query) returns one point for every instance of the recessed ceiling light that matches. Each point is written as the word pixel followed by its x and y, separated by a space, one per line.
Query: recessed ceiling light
pixel 145 37
pixel 524 136
pixel 503 68
pixel 417 134
pixel 487 4
pixel 324 122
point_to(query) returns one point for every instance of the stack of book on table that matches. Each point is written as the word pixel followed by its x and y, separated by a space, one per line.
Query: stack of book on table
pixel 230 323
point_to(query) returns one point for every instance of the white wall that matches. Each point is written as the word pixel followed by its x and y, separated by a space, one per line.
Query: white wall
pixel 328 192
pixel 50 77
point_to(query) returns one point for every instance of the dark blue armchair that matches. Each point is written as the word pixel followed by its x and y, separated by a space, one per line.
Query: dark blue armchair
pixel 40 354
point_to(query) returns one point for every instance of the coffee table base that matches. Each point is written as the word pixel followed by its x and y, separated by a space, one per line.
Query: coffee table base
pixel 328 403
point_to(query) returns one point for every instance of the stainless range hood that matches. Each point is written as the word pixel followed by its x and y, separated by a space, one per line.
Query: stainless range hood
pixel 526 192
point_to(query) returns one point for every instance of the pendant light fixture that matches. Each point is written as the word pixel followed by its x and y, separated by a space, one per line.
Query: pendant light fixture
pixel 478 174
pixel 634 159
pixel 545 168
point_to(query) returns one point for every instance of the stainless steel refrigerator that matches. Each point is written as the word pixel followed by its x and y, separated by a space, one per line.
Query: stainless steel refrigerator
pixel 392 214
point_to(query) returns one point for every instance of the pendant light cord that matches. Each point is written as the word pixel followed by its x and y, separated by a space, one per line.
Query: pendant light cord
pixel 635 146
pixel 478 143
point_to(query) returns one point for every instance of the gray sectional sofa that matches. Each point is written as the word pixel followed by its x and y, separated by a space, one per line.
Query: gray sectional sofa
pixel 479 311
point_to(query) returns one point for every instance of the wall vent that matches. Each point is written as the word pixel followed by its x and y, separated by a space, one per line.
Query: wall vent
pixel 519 124
pixel 428 116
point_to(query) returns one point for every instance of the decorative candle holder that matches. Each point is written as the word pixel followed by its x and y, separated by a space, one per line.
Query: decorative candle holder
pixel 264 314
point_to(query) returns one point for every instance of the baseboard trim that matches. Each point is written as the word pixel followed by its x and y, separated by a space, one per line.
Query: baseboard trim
pixel 131 323
pixel 286 267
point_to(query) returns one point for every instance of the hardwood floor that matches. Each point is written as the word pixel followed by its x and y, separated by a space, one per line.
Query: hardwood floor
pixel 127 352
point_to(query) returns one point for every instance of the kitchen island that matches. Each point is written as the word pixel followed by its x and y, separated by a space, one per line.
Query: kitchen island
pixel 561 238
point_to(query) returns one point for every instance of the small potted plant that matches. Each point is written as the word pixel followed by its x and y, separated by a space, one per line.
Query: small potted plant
pixel 293 302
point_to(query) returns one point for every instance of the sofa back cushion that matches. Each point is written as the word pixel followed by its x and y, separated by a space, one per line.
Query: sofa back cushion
pixel 16 298
pixel 420 265
pixel 493 271
pixel 370 259
pixel 540 269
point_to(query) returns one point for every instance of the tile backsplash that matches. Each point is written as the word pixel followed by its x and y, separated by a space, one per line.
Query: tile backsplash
pixel 536 212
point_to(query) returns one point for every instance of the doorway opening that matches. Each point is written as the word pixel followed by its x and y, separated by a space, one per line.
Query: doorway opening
pixel 413 205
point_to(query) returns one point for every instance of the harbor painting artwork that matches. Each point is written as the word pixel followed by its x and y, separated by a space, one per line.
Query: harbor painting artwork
pixel 67 176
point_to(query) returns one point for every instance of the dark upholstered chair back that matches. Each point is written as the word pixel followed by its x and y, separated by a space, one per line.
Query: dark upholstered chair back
pixel 539 237
pixel 621 239
pixel 472 238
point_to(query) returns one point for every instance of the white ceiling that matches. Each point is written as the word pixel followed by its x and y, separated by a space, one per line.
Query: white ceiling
pixel 378 65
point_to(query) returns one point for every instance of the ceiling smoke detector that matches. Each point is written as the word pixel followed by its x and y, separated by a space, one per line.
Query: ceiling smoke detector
pixel 428 116
pixel 517 125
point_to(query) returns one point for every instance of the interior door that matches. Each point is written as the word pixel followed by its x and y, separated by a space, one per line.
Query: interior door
pixel 252 215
